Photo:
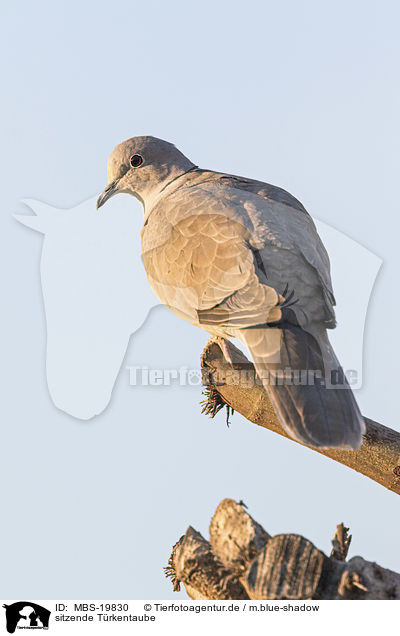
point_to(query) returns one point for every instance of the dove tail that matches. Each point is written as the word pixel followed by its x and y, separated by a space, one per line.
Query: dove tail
pixel 306 385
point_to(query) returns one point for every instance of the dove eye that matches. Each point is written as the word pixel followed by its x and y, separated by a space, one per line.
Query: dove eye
pixel 136 161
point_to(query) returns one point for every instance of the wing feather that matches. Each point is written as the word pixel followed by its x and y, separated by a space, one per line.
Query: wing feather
pixel 231 246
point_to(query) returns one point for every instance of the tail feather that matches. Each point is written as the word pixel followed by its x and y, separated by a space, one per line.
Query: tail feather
pixel 306 385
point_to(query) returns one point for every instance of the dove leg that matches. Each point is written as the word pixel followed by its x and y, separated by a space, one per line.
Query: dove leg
pixel 221 342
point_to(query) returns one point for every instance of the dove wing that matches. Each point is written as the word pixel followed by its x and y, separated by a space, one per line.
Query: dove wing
pixel 291 227
pixel 227 229
pixel 196 253
pixel 279 219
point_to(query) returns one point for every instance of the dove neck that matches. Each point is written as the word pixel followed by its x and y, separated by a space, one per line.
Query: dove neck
pixel 150 201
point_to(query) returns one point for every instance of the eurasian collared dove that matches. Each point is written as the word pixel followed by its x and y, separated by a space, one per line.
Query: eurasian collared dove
pixel 241 258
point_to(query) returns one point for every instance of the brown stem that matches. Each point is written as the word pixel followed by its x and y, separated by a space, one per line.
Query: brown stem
pixel 242 561
pixel 378 458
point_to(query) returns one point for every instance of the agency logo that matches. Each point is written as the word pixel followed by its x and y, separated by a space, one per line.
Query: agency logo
pixel 26 615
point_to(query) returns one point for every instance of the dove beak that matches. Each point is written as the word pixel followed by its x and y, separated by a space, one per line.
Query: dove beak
pixel 109 192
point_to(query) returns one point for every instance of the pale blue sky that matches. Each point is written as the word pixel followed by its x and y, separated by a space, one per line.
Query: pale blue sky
pixel 304 95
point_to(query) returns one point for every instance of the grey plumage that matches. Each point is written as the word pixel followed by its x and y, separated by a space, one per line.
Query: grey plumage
pixel 241 258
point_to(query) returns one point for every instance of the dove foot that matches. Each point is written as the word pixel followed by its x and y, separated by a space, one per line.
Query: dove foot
pixel 222 343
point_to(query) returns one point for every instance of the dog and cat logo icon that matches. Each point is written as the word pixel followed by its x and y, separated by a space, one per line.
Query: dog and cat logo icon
pixel 26 615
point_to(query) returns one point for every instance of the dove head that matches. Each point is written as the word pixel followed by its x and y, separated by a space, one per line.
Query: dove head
pixel 142 167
